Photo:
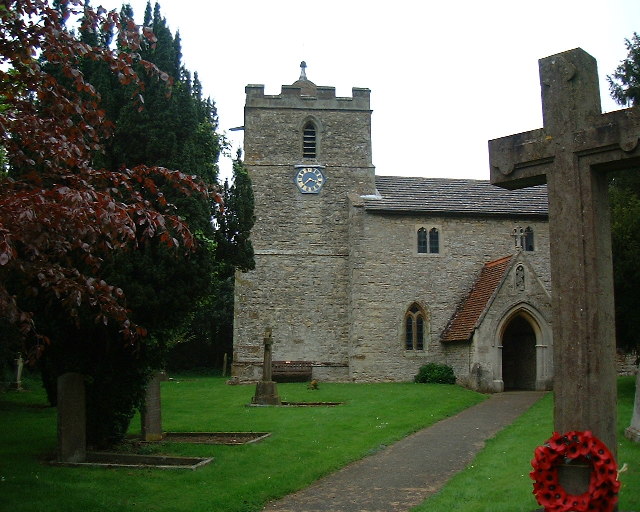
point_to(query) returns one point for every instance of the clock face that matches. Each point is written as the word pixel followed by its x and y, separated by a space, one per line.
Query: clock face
pixel 309 180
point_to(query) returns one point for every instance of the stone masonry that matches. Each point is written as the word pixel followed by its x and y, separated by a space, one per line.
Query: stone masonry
pixel 337 270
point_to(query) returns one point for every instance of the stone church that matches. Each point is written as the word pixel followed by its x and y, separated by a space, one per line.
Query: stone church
pixel 369 277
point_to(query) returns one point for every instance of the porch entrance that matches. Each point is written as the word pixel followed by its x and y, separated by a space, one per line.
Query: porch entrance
pixel 519 355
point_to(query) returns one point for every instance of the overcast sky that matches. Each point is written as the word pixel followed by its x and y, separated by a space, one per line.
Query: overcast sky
pixel 445 76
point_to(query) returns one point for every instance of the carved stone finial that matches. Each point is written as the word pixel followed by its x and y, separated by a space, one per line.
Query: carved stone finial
pixel 303 71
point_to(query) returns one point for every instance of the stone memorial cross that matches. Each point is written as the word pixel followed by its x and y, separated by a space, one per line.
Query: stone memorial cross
pixel 267 390
pixel 267 362
pixel 572 153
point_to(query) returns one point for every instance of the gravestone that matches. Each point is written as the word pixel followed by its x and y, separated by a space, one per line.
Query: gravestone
pixel 572 154
pixel 151 415
pixel 72 443
pixel 17 384
pixel 633 431
pixel 266 389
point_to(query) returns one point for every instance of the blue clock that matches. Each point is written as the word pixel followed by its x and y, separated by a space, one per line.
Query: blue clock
pixel 309 180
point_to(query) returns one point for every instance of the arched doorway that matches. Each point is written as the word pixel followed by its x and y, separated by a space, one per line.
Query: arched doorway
pixel 519 354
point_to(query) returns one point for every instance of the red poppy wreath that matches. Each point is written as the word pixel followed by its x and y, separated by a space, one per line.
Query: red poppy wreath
pixel 603 484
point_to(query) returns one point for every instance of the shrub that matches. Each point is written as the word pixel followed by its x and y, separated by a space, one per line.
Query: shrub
pixel 435 373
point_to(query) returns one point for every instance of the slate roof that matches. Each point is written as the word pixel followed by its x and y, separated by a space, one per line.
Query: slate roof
pixel 463 323
pixel 407 195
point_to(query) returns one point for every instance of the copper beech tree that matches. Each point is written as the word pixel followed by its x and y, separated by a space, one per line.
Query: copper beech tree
pixel 60 218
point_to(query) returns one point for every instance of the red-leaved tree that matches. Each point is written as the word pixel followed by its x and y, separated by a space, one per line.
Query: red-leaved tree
pixel 59 217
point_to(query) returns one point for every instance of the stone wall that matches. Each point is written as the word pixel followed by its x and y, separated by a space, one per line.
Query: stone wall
pixel 387 276
pixel 333 281
pixel 300 285
pixel 627 364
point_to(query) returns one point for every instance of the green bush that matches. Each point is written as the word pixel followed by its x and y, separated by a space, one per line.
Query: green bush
pixel 435 373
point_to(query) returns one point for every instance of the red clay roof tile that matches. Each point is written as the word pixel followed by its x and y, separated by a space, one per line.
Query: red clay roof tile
pixel 461 326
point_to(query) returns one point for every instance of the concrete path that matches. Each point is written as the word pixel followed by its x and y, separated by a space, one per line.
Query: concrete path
pixel 406 473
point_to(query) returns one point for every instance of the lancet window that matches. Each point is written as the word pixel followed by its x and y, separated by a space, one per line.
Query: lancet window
pixel 415 326
pixel 428 241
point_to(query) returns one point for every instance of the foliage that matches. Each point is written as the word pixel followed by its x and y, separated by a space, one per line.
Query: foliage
pixel 64 224
pixel 435 373
pixel 624 197
pixel 235 222
pixel 624 84
pixel 210 333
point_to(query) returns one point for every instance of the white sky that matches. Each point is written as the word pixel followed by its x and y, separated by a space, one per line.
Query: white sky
pixel 445 76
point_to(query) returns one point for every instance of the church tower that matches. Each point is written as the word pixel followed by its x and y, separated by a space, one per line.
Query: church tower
pixel 307 152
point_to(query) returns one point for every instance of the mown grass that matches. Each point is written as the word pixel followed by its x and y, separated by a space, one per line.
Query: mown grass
pixel 498 479
pixel 305 444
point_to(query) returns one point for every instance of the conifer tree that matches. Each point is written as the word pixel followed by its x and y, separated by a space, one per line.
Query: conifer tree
pixel 63 221
pixel 624 195
pixel 175 128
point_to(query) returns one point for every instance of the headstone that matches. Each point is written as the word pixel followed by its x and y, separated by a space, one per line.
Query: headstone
pixel 633 431
pixel 72 444
pixel 266 389
pixel 151 415
pixel 17 385
pixel 572 154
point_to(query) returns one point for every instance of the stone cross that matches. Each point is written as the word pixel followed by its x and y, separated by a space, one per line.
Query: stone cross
pixel 266 390
pixel 266 365
pixel 572 154
pixel 17 385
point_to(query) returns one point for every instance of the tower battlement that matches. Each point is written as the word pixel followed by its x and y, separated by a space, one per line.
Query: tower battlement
pixel 307 96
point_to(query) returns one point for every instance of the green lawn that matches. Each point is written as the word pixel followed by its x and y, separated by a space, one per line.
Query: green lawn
pixel 305 444
pixel 498 479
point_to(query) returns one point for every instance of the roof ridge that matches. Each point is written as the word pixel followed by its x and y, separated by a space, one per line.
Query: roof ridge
pixel 498 261
pixel 470 308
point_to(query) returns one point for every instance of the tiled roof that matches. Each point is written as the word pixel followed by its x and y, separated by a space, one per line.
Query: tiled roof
pixel 405 195
pixel 464 320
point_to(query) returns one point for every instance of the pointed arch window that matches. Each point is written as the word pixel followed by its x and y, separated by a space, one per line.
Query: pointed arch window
pixel 415 326
pixel 422 241
pixel 428 241
pixel 434 241
pixel 309 140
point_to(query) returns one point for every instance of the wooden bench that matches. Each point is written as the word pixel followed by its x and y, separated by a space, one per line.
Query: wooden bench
pixel 291 371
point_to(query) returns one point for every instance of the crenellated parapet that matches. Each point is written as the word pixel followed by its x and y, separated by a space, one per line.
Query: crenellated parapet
pixel 306 95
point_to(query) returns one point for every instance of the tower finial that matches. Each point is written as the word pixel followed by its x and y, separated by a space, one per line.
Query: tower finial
pixel 303 72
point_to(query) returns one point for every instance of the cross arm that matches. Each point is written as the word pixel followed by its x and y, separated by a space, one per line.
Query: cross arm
pixel 612 143
pixel 521 160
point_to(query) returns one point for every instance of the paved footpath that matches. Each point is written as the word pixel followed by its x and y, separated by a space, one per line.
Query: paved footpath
pixel 409 471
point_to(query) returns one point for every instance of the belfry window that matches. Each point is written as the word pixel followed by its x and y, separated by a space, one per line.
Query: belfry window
pixel 428 241
pixel 415 322
pixel 309 141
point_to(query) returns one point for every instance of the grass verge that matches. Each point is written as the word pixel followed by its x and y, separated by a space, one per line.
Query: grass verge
pixel 306 443
pixel 498 479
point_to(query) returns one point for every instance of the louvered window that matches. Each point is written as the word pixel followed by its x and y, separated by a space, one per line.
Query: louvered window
pixel 309 140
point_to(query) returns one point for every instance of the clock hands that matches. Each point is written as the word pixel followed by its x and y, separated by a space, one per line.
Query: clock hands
pixel 309 180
